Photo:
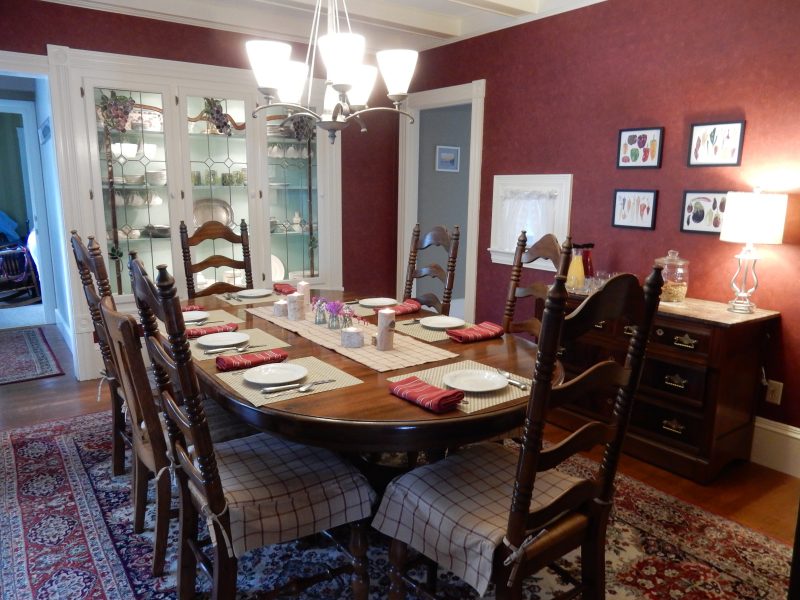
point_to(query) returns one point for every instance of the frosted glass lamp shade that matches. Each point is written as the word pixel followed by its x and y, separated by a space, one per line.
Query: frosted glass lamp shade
pixel 397 68
pixel 754 218
pixel 363 83
pixel 293 82
pixel 268 60
pixel 342 53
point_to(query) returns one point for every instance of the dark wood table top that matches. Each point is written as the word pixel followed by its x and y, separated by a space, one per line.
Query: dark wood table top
pixel 366 417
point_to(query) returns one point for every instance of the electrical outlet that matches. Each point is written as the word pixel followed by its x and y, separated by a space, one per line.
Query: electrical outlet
pixel 774 391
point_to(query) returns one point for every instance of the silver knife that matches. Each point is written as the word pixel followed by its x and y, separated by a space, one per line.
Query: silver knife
pixel 293 386
pixel 223 349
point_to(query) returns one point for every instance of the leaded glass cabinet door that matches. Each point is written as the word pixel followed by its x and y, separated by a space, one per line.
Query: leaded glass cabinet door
pixel 293 208
pixel 218 171
pixel 133 168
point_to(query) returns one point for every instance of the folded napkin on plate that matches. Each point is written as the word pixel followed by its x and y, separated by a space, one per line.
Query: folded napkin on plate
pixel 404 308
pixel 196 332
pixel 482 331
pixel 253 359
pixel 284 288
pixel 428 396
pixel 191 307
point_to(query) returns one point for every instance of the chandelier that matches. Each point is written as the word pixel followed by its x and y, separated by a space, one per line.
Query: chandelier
pixel 349 82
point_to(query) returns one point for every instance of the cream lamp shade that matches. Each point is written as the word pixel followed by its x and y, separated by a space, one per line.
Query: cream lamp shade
pixel 754 218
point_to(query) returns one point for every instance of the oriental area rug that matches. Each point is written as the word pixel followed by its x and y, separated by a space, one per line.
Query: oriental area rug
pixel 66 532
pixel 26 355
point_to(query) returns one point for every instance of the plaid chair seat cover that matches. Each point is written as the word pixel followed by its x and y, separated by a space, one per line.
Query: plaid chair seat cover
pixel 455 511
pixel 278 491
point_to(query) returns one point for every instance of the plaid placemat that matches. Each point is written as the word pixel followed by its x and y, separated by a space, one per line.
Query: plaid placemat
pixel 234 302
pixel 259 340
pixel 423 333
pixel 316 370
pixel 407 352
pixel 218 317
pixel 362 311
pixel 474 401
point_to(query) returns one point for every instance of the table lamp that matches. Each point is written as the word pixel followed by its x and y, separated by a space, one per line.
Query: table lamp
pixel 751 218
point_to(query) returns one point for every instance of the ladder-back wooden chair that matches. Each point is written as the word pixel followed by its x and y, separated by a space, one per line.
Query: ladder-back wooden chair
pixel 89 261
pixel 241 489
pixel 438 236
pixel 149 445
pixel 214 230
pixel 546 247
pixel 551 513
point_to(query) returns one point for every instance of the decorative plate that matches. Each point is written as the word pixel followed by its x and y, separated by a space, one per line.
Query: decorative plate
pixel 275 374
pixel 212 209
pixel 253 293
pixel 441 322
pixel 377 302
pixel 225 338
pixel 475 380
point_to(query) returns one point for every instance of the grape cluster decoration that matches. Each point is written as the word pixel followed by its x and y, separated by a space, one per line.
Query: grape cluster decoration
pixel 115 110
pixel 214 113
pixel 303 128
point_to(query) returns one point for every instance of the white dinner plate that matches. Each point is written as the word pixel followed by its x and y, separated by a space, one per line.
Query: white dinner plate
pixel 475 380
pixel 377 302
pixel 195 315
pixel 441 322
pixel 225 338
pixel 254 293
pixel 275 374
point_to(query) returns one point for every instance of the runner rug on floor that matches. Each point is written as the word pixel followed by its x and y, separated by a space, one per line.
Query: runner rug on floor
pixel 66 532
pixel 25 355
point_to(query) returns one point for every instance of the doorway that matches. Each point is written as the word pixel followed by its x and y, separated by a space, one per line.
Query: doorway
pixel 417 197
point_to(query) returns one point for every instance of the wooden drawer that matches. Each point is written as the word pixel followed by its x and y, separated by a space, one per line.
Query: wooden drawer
pixel 688 339
pixel 680 382
pixel 678 426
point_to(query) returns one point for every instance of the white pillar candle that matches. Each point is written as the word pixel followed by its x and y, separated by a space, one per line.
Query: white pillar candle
pixel 296 308
pixel 280 308
pixel 352 337
pixel 303 287
pixel 385 338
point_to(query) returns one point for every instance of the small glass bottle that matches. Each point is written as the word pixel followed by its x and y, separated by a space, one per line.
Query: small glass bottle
pixel 576 278
pixel 676 277
pixel 320 314
pixel 588 265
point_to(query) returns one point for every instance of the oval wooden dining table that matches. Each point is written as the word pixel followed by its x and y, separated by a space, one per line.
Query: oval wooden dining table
pixel 367 417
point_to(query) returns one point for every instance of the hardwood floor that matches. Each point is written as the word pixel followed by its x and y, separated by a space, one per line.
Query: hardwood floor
pixel 757 497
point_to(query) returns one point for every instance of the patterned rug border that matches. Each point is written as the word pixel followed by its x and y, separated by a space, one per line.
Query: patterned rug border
pixel 43 339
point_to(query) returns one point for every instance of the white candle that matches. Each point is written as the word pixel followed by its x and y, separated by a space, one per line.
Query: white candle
pixel 303 287
pixel 385 338
pixel 296 308
pixel 280 308
pixel 352 337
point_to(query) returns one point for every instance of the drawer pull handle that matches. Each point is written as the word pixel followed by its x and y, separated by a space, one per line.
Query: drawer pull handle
pixel 673 426
pixel 685 341
pixel 659 332
pixel 629 330
pixel 676 381
pixel 600 325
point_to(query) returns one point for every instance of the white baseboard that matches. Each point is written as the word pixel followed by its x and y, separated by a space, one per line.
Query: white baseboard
pixel 777 446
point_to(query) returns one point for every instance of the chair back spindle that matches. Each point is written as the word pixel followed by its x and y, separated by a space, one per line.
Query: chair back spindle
pixel 438 236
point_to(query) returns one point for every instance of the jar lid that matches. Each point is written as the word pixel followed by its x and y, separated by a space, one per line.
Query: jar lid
pixel 671 259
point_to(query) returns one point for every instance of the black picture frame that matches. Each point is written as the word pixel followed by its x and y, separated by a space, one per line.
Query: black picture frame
pixel 702 211
pixel 716 144
pixel 634 209
pixel 640 148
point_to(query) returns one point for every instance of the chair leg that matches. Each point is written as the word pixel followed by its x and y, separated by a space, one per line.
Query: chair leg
pixel 398 553
pixel 225 568
pixel 139 493
pixel 187 561
pixel 359 543
pixel 117 441
pixel 163 506
pixel 593 564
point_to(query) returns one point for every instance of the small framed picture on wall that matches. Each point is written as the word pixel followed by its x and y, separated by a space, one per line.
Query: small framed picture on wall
pixel 635 209
pixel 448 158
pixel 640 148
pixel 703 211
pixel 716 144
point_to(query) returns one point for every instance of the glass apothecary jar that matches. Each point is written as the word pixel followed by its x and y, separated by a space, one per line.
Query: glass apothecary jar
pixel 676 277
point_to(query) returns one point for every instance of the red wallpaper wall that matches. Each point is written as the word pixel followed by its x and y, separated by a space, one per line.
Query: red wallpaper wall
pixel 558 91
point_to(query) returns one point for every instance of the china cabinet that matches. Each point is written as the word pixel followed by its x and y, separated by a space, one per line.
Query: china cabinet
pixel 146 143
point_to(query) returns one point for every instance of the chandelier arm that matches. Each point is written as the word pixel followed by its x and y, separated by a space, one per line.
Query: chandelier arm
pixel 379 108
pixel 298 107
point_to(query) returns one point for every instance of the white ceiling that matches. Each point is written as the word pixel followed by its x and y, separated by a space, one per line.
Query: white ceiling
pixel 418 24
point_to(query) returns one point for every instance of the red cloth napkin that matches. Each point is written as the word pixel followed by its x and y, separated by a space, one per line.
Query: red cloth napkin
pixel 191 307
pixel 195 332
pixel 404 308
pixel 284 288
pixel 253 359
pixel 430 397
pixel 482 331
